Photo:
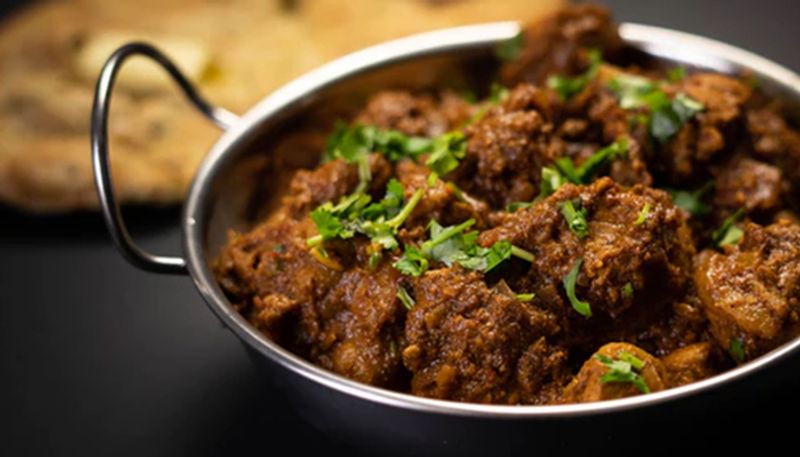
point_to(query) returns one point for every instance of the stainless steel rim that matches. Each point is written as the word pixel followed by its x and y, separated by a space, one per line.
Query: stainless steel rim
pixel 654 40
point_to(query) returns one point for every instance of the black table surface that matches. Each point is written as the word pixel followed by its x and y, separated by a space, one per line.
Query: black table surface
pixel 98 358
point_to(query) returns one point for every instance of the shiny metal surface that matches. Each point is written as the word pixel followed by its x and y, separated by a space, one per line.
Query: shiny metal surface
pixel 211 203
pixel 100 159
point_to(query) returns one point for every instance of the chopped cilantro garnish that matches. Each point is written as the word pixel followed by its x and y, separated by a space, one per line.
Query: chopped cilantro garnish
pixel 497 93
pixel 412 263
pixel 279 248
pixel 587 171
pixel 623 369
pixel 675 74
pixel 631 90
pixel 592 166
pixel 510 49
pixel 627 290
pixel 692 201
pixel 374 259
pixel 453 244
pixel 551 181
pixel 666 117
pixel 446 151
pixel 583 308
pixel 407 300
pixel 567 87
pixel 575 217
pixel 728 233
pixel 520 253
pixel 357 214
pixel 514 206
pixel 353 142
pixel 643 213
pixel 737 349
pixel 525 297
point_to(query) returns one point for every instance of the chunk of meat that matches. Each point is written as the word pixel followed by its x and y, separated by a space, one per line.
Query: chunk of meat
pixel 269 275
pixel 750 292
pixel 329 182
pixel 701 139
pixel 422 115
pixel 778 143
pixel 360 327
pixel 507 148
pixel 557 44
pixel 747 183
pixel 588 386
pixel 468 342
pixel 690 364
pixel 651 259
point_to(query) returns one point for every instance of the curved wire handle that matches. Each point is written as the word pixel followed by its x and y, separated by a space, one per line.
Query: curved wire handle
pixel 100 162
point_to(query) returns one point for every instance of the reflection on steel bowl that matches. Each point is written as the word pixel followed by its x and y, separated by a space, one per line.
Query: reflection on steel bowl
pixel 502 225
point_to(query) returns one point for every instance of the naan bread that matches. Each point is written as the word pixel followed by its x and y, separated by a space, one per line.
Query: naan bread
pixel 237 51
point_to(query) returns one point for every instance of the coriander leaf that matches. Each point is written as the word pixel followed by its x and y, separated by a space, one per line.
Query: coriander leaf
pixel 486 259
pixel 685 107
pixel 552 179
pixel 692 201
pixel 567 87
pixel 374 260
pixel 446 152
pixel 643 214
pixel 525 297
pixel 407 300
pixel 567 169
pixel 576 218
pixel 381 234
pixel 510 49
pixel 728 233
pixel 587 171
pixel 737 349
pixel 441 234
pixel 357 214
pixel 354 143
pixel 328 225
pixel 591 166
pixel 279 248
pixel 732 236
pixel 635 362
pixel 451 245
pixel 668 120
pixel 666 117
pixel 630 90
pixel 520 253
pixel 664 124
pixel 389 206
pixel 676 74
pixel 627 290
pixel 497 93
pixel 514 206
pixel 583 308
pixel 623 370
pixel 412 263
pixel 396 221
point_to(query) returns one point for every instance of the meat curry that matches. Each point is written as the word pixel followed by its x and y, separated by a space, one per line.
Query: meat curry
pixel 591 230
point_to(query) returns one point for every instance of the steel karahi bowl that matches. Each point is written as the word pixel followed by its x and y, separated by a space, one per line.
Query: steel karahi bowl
pixel 372 418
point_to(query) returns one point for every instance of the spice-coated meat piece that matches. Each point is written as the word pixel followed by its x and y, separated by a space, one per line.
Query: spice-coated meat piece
pixel 469 342
pixel 637 249
pixel 751 291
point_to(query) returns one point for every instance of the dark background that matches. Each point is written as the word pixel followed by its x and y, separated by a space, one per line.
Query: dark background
pixel 98 358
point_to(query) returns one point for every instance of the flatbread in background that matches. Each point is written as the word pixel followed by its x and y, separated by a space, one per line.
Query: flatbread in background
pixel 237 51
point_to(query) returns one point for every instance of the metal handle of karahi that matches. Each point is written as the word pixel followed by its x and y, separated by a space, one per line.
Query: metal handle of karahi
pixel 100 161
